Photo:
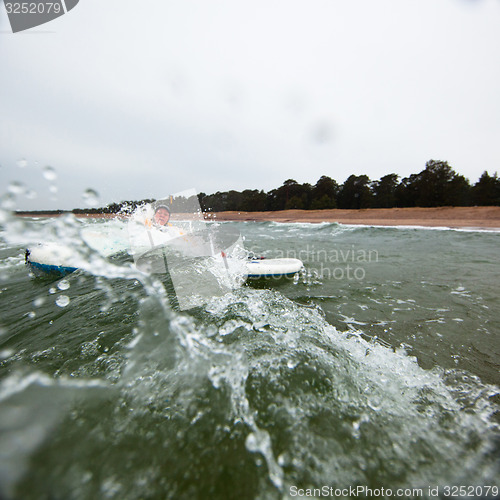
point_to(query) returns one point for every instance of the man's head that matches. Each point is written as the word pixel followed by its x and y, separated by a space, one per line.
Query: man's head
pixel 162 215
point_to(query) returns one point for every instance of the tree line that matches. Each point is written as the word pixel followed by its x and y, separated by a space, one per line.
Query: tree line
pixel 437 185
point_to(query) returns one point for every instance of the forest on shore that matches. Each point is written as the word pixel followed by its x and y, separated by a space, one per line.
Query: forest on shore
pixel 435 186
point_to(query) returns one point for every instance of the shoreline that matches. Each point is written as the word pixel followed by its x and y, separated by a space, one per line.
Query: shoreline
pixel 452 217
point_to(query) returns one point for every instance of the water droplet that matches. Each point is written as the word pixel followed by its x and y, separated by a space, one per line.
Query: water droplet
pixel 6 353
pixel 31 194
pixel 31 314
pixel 375 403
pixel 8 201
pixel 63 285
pixel 356 434
pixel 53 189
pixel 39 301
pixel 49 173
pixel 91 197
pixel 251 443
pixel 16 187
pixel 62 300
pixel 22 163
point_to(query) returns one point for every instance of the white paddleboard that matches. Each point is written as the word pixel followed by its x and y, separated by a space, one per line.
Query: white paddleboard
pixel 51 258
pixel 273 268
pixel 62 259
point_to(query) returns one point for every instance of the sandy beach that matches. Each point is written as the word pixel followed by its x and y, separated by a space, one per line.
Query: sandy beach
pixel 453 217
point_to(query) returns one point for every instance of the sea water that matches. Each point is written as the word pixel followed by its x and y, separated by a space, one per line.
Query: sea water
pixel 373 373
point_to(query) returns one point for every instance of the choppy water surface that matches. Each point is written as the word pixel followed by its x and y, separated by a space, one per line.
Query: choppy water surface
pixel 378 366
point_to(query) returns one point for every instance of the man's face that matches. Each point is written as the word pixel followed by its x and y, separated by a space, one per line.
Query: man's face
pixel 161 216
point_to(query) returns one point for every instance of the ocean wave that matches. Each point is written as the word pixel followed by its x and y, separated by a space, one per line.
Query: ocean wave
pixel 252 392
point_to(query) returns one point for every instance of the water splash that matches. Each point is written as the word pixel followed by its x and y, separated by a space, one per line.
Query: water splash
pixel 251 389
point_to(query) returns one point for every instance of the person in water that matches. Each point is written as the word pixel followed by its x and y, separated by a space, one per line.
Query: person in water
pixel 161 216
pixel 161 221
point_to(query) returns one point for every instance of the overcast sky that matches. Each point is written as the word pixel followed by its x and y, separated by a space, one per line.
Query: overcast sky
pixel 142 99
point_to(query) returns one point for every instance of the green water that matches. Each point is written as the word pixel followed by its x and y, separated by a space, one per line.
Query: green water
pixel 377 366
